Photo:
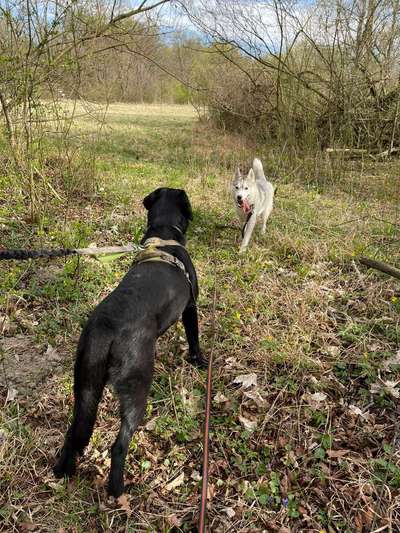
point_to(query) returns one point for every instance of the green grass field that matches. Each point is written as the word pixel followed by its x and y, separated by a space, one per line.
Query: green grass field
pixel 312 443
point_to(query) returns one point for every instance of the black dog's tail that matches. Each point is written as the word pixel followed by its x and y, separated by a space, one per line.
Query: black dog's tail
pixel 22 255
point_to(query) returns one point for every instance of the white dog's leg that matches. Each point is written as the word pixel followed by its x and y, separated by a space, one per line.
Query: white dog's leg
pixel 265 214
pixel 247 232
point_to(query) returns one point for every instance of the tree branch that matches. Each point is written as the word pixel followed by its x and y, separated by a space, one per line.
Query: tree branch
pixel 137 11
pixel 9 127
pixel 382 267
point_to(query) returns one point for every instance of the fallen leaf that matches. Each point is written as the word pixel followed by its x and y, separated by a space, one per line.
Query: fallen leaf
pixel 229 512
pixel 250 425
pixel 195 475
pixel 256 397
pixel 375 388
pixel 27 526
pixel 4 323
pixel 177 482
pixel 318 396
pixel 368 517
pixel 394 360
pixel 358 523
pixel 52 354
pixel 316 399
pixel 355 410
pixel 231 362
pixel 391 388
pixel 3 436
pixel 333 350
pixel 123 503
pixel 336 454
pixel 11 394
pixel 210 491
pixel 291 456
pixel 151 424
pixel 190 402
pixel 174 521
pixel 386 386
pixel 220 398
pixel 100 481
pixel 151 456
pixel 246 380
pixel 282 441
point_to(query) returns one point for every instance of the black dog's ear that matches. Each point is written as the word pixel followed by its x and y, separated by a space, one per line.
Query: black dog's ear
pixel 185 205
pixel 151 198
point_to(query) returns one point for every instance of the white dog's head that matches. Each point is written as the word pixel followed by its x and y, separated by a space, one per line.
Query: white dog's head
pixel 243 190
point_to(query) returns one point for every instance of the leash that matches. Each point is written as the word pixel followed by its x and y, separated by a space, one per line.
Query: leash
pixel 206 439
pixel 23 255
pixel 93 251
pixel 249 215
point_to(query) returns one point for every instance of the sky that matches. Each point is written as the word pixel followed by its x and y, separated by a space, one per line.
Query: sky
pixel 255 24
pixel 248 22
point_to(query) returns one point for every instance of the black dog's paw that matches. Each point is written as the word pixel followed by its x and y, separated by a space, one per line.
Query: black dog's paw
pixel 65 466
pixel 199 360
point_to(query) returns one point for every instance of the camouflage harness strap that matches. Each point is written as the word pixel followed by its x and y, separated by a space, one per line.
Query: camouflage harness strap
pixel 152 253
pixel 154 242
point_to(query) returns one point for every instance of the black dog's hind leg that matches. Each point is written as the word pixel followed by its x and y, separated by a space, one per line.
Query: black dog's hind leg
pixel 191 325
pixel 89 382
pixel 132 388
pixel 80 431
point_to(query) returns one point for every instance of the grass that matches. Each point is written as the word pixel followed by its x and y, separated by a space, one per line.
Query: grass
pixel 313 445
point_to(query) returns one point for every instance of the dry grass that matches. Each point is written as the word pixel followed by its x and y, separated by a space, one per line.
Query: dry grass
pixel 313 445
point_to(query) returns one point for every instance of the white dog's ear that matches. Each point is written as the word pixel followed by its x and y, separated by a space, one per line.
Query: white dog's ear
pixel 238 174
pixel 251 176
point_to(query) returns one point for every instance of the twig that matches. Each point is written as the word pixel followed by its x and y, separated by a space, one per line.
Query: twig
pixel 47 182
pixel 388 152
pixel 382 267
pixel 226 226
pixel 346 150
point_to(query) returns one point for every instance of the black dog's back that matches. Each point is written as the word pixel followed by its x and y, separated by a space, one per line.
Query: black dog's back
pixel 146 292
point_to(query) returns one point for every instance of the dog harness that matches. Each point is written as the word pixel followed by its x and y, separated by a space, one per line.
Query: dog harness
pixel 152 253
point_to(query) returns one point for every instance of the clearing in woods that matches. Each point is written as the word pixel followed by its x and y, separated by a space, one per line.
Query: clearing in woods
pixel 305 410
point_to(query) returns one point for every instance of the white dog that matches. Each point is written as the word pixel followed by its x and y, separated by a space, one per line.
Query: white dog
pixel 254 197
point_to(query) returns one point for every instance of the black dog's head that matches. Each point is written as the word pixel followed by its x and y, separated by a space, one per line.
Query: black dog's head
pixel 168 207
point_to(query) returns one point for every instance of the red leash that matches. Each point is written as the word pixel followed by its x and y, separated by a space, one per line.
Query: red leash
pixel 206 441
pixel 204 485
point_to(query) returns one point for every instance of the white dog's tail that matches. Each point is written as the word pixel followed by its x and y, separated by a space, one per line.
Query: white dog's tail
pixel 258 169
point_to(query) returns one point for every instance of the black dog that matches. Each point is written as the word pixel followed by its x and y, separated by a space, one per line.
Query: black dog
pixel 118 342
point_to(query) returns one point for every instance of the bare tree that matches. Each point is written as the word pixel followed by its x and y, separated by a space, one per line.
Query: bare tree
pixel 334 65
pixel 43 43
